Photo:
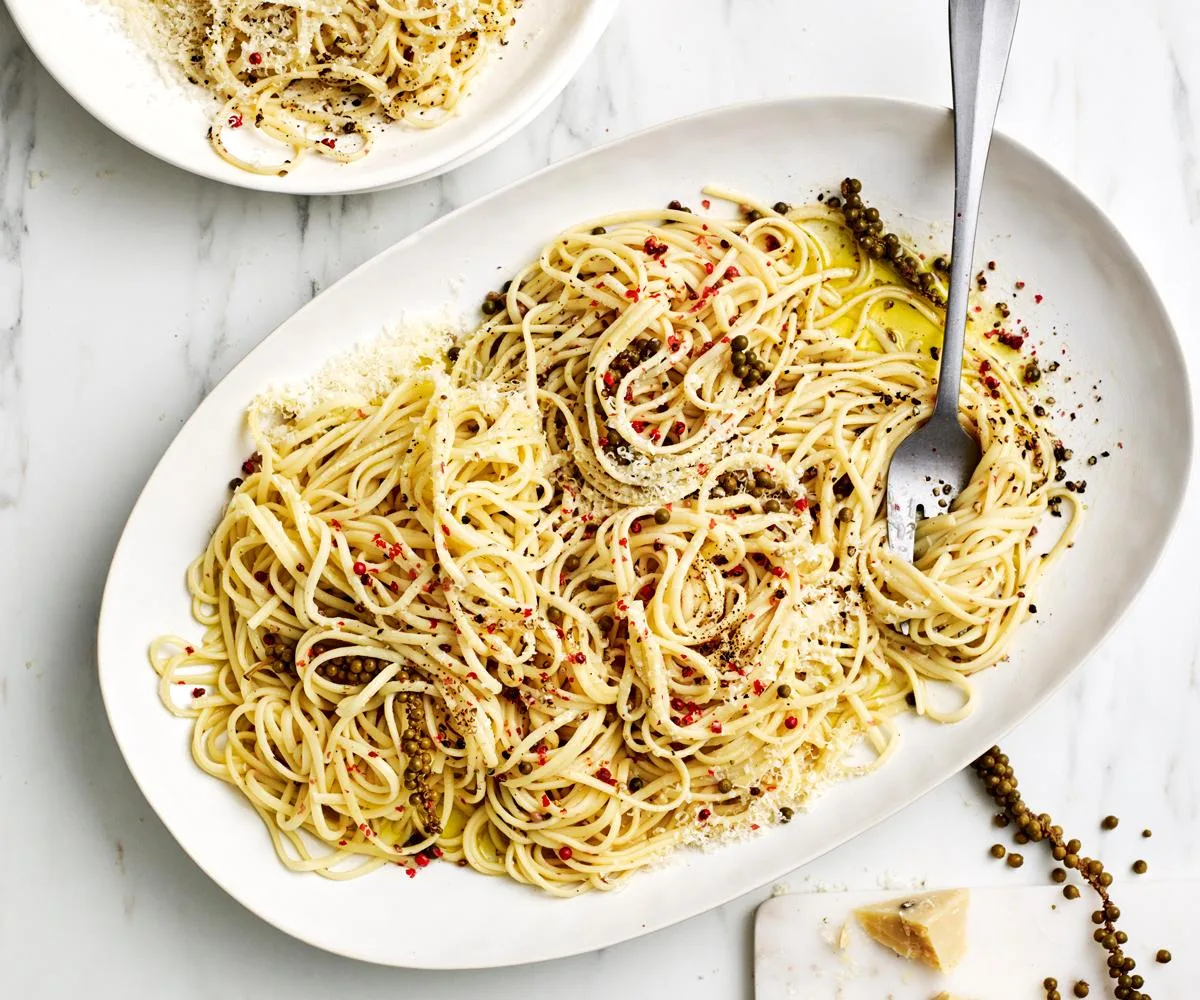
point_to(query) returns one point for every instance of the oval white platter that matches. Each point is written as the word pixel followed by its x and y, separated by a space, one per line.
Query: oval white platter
pixel 84 46
pixel 1107 321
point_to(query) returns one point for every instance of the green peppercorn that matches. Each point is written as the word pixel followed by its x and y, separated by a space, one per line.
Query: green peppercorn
pixel 1140 867
pixel 662 516
pixel 784 690
pixel 740 342
pixel 1081 989
pixel 1109 822
pixel 1071 891
pixel 1015 860
pixel 786 814
pixel 724 786
pixel 998 851
pixel 1162 956
pixel 772 506
pixel 636 784
pixel 782 207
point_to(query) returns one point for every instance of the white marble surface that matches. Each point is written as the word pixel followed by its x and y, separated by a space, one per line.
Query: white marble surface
pixel 128 288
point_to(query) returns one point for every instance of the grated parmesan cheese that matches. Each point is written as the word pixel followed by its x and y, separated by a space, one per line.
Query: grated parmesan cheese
pixel 368 371
pixel 167 31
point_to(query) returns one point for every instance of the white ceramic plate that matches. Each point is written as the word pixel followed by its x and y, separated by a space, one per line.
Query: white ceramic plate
pixel 83 46
pixel 1108 320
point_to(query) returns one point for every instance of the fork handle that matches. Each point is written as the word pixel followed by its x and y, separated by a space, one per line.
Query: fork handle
pixel 981 33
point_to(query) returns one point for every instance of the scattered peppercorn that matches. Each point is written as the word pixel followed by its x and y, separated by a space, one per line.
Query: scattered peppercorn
pixel 1163 956
pixel 998 851
pixel 1081 989
pixel 868 230
pixel 1109 822
pixel 996 774
pixel 1139 867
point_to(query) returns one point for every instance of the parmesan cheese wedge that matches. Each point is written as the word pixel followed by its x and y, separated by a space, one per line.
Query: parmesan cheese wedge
pixel 930 928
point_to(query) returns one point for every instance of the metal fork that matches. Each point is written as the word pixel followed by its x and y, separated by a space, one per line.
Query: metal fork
pixel 934 463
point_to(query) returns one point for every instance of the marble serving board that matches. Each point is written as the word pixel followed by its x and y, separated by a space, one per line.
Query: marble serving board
pixel 807 946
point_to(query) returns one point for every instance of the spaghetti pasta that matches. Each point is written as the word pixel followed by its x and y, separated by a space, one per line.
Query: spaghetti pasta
pixel 314 76
pixel 610 574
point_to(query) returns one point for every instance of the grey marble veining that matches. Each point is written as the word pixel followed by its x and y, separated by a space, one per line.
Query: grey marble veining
pixel 17 110
pixel 127 289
